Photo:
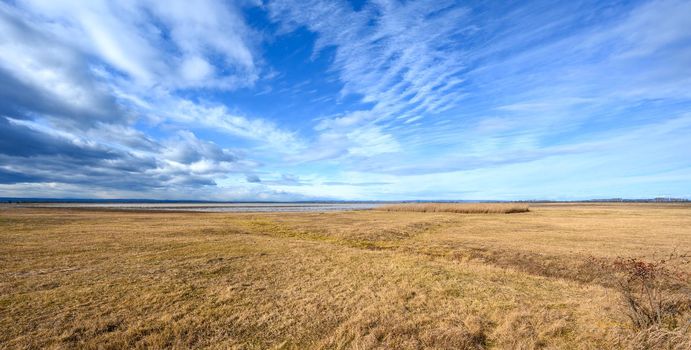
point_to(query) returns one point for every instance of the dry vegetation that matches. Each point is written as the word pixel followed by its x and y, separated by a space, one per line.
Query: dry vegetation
pixel 460 208
pixel 554 277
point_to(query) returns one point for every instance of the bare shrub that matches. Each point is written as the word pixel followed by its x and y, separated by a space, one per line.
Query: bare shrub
pixel 464 208
pixel 656 294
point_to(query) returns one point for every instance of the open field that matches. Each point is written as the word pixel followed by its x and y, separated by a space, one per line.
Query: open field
pixel 360 279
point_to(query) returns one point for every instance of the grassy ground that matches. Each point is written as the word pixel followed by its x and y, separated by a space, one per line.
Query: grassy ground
pixel 369 279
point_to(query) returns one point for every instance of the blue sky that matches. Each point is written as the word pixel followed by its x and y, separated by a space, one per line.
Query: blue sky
pixel 299 100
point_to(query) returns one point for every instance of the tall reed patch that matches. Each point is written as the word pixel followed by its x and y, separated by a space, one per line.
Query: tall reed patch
pixel 463 208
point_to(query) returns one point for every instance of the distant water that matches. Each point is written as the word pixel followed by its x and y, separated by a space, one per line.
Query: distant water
pixel 216 207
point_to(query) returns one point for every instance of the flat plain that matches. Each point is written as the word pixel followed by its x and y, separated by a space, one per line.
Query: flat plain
pixel 353 280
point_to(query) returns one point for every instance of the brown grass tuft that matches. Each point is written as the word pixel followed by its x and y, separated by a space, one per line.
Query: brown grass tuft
pixel 462 208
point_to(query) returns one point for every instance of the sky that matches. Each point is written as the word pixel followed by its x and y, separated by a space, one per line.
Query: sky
pixel 345 100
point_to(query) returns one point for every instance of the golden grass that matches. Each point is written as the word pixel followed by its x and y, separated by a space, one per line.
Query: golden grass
pixel 461 208
pixel 363 280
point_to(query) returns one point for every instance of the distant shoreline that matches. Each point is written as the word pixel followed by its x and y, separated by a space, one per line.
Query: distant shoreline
pixel 30 200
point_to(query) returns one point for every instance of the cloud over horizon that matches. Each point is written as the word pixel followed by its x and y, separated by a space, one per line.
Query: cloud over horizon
pixel 297 100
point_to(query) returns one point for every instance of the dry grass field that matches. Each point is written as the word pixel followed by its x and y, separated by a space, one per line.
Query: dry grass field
pixel 547 278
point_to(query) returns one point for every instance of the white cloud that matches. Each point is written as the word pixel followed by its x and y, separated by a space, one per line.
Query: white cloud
pixel 169 44
pixel 196 68
pixel 216 116
pixel 78 76
pixel 43 75
pixel 127 80
pixel 413 119
pixel 405 59
pixel 153 48
pixel 368 142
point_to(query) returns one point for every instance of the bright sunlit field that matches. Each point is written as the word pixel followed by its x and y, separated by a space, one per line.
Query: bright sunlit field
pixel 362 279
